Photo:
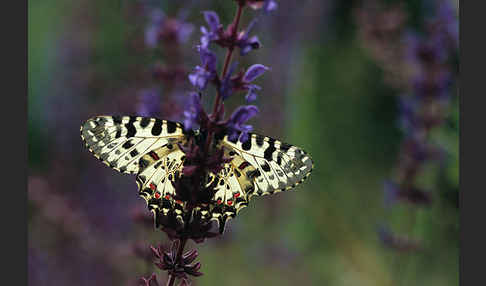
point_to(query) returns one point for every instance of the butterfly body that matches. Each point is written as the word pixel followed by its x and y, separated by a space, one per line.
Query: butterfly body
pixel 153 150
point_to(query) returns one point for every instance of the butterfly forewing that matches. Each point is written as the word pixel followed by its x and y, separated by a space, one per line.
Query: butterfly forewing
pixel 120 141
pixel 279 166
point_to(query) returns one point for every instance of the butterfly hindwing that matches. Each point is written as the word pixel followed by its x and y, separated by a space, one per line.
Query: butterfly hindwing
pixel 233 188
pixel 279 166
pixel 120 141
pixel 158 170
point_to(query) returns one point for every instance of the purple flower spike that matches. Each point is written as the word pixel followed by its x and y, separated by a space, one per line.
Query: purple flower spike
pixel 251 95
pixel 236 126
pixel 253 72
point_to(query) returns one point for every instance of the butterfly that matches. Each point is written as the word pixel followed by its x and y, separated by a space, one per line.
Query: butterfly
pixel 150 148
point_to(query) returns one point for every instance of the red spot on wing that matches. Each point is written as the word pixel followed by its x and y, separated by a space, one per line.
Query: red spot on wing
pixel 154 155
pixel 157 195
pixel 219 201
pixel 179 202
pixel 243 165
pixel 167 197
pixel 236 195
pixel 152 186
pixel 229 203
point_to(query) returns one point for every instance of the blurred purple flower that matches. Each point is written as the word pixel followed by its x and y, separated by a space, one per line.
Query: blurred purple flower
pixel 152 31
pixel 236 127
pixel 394 193
pixel 266 5
pixel 162 27
pixel 447 24
pixel 149 103
pixel 400 243
pixel 205 73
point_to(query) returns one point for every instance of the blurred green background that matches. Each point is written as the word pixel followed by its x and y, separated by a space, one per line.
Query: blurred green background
pixel 325 93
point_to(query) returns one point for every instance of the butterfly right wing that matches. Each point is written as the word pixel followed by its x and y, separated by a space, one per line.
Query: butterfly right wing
pixel 279 166
pixel 233 187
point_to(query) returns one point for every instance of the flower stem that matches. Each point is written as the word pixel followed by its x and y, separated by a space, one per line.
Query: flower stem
pixel 229 53
pixel 182 244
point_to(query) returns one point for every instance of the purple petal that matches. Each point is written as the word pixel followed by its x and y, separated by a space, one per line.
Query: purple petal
pixel 193 111
pixel 200 78
pixel 184 32
pixel 243 114
pixel 233 136
pixel 253 72
pixel 248 45
pixel 226 88
pixel 208 58
pixel 244 137
pixel 212 19
pixel 251 96
pixel 195 101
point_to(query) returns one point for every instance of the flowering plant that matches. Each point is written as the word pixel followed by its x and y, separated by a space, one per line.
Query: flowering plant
pixel 201 157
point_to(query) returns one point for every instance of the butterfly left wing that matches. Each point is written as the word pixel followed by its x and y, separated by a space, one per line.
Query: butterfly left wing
pixel 120 141
pixel 159 169
pixel 279 166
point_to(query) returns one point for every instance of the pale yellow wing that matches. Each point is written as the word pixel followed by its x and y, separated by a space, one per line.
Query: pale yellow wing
pixel 120 141
pixel 279 166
